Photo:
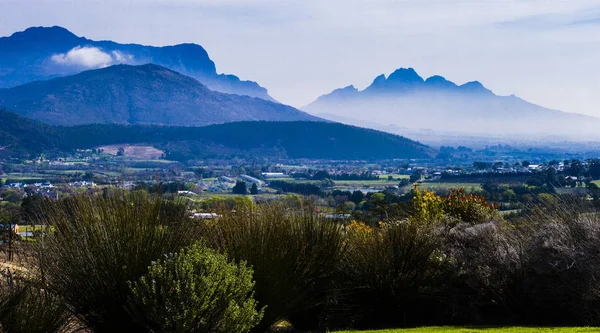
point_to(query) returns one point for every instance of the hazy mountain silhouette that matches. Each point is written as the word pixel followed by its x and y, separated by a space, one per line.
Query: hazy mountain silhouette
pixel 145 94
pixel 406 100
pixel 41 53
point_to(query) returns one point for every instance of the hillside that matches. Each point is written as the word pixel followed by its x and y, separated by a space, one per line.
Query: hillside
pixel 145 94
pixel 312 140
pixel 41 53
pixel 406 100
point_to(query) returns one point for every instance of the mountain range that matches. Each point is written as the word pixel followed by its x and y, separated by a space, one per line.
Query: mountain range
pixel 20 136
pixel 41 53
pixel 144 94
pixel 406 101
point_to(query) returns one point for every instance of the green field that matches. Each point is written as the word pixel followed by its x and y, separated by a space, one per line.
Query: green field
pixel 485 330
pixel 395 175
pixel 469 187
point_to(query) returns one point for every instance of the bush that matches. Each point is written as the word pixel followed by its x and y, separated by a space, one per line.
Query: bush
pixel 293 254
pixel 100 243
pixel 196 290
pixel 392 275
pixel 562 269
pixel 25 308
pixel 489 265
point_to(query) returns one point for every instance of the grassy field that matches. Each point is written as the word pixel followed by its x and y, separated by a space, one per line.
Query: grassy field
pixel 486 330
pixel 395 175
pixel 469 187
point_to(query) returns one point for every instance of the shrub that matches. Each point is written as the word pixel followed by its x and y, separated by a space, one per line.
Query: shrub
pixel 471 208
pixel 561 275
pixel 392 275
pixel 293 254
pixel 489 265
pixel 25 308
pixel 196 290
pixel 100 243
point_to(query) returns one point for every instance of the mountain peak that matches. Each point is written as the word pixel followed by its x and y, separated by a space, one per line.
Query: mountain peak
pixel 43 34
pixel 438 81
pixel 475 87
pixel 144 94
pixel 405 75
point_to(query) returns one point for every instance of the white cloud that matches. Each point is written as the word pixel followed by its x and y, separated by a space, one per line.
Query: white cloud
pixel 91 57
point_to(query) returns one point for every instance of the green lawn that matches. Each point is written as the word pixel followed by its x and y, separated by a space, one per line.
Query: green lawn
pixel 483 330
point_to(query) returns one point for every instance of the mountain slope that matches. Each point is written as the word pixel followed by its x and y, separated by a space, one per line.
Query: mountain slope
pixel 315 140
pixel 146 94
pixel 41 53
pixel 405 99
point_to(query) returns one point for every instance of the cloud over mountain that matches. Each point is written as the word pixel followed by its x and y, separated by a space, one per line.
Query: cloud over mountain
pixel 91 57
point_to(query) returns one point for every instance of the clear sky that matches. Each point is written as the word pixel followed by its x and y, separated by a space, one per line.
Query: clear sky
pixel 545 51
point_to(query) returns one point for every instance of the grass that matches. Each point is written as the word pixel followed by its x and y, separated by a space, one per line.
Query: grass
pixel 448 329
pixel 395 175
pixel 469 187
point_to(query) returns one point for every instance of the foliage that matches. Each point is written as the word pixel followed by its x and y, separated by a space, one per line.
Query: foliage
pixel 393 274
pixel 320 139
pixel 100 243
pixel 196 290
pixel 469 207
pixel 292 253
pixel 428 207
pixel 458 205
pixel 240 188
pixel 25 308
pixel 299 188
pixel 254 189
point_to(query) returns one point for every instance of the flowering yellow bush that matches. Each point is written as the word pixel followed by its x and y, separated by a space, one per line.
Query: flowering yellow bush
pixel 428 207
pixel 466 207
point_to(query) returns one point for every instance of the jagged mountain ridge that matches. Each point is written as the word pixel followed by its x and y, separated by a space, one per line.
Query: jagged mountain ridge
pixel 41 53
pixel 145 94
pixel 405 99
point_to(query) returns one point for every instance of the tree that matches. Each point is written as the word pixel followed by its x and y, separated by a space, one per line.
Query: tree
pixel 254 189
pixel 240 187
pixel 121 151
pixel 526 164
pixel 321 175
pixel 357 197
pixel 594 191
pixel 416 176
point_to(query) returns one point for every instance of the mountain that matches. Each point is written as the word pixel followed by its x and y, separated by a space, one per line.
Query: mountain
pixel 250 140
pixel 41 53
pixel 145 94
pixel 404 100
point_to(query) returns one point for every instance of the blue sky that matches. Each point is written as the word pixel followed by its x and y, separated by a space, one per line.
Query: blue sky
pixel 544 51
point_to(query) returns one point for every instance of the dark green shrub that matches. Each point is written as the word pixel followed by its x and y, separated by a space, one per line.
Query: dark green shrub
pixel 196 290
pixel 100 243
pixel 293 254
pixel 392 275
pixel 25 308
